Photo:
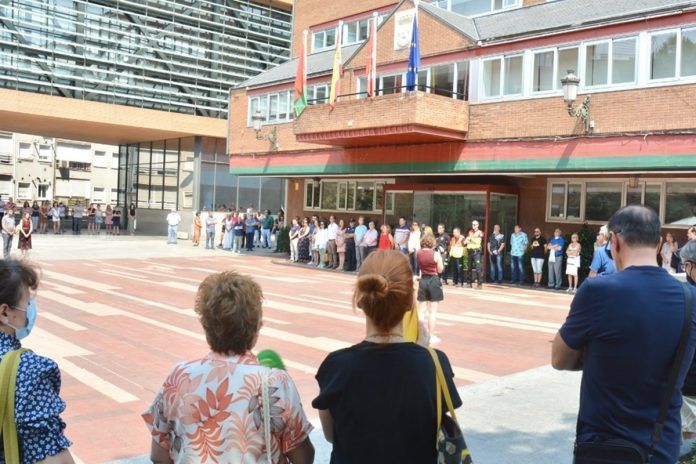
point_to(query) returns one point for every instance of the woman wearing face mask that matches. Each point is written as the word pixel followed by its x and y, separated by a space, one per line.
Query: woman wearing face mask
pixel 38 405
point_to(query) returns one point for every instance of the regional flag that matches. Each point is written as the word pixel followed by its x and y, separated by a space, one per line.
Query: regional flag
pixel 414 56
pixel 337 69
pixel 371 60
pixel 300 100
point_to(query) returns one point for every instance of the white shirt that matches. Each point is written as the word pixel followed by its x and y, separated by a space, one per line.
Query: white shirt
pixel 333 231
pixel 173 219
pixel 77 211
pixel 55 212
pixel 61 210
pixel 414 241
pixel 322 238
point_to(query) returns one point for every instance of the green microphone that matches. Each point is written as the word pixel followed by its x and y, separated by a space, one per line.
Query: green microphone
pixel 270 358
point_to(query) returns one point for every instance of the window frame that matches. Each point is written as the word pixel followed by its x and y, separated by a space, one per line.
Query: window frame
pixel 677 63
pixel 644 183
pixel 610 63
pixel 501 83
pixel 350 185
pixel 279 96
pixel 554 71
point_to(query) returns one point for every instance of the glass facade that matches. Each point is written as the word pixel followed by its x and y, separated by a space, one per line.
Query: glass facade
pixel 191 173
pixel 171 55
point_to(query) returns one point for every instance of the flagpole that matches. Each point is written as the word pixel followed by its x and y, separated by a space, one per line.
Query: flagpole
pixel 375 16
pixel 305 34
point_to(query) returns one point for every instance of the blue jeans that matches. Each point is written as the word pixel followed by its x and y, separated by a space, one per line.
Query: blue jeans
pixel 266 238
pixel 6 245
pixel 173 234
pixel 455 265
pixel 496 270
pixel 210 239
pixel 76 224
pixel 517 269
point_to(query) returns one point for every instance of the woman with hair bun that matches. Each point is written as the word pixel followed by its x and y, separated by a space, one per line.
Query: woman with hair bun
pixel 377 399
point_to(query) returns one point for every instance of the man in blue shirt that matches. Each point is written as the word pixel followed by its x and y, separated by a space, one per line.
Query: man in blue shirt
pixel 518 245
pixel 602 263
pixel 556 245
pixel 360 232
pixel 622 332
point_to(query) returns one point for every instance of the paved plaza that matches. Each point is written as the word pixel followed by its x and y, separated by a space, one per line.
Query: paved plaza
pixel 116 314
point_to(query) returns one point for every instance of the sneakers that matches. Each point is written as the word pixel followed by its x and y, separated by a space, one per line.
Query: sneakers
pixel 434 339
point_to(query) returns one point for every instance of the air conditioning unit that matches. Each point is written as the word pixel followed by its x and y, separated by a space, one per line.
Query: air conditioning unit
pixel 64 164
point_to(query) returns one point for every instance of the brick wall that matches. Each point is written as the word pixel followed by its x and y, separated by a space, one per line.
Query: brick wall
pixel 389 110
pixel 435 38
pixel 662 108
pixel 309 13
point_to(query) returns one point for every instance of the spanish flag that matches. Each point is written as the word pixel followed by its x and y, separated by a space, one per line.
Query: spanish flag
pixel 337 68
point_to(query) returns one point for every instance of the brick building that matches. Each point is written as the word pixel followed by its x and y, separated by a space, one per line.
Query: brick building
pixel 488 134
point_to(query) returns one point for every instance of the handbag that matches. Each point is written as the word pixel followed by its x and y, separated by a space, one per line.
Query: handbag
pixel 8 383
pixel 449 441
pixel 619 451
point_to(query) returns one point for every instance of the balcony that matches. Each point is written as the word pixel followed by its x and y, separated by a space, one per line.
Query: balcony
pixel 395 119
pixel 6 165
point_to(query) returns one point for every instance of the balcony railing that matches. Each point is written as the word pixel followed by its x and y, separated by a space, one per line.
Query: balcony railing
pixel 389 119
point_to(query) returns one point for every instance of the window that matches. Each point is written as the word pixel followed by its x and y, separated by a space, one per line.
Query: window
pixel 442 79
pixel 24 191
pixel 688 52
pixel 322 40
pixel 329 195
pixel 312 190
pixel 42 191
pixel 318 94
pixel 98 195
pixel 274 107
pixel 99 159
pixel 602 200
pixel 543 71
pixel 623 61
pixel 45 153
pixel 502 75
pixel 462 80
pixel 114 160
pixel 355 31
pixel 567 60
pixel 478 7
pixel 25 151
pixel 597 64
pixel 565 200
pixel 492 76
pixel 188 200
pixel 512 82
pixel 365 196
pixel 679 203
pixel 391 84
pixel 77 166
pixel 663 57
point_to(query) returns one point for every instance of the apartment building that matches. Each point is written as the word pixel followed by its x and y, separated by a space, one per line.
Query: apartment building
pixel 492 132
pixel 40 168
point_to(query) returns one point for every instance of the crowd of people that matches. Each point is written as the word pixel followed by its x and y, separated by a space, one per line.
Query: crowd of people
pixel 240 229
pixel 45 217
pixel 632 332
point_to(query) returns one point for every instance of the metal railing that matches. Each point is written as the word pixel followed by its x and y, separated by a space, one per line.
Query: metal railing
pixel 392 90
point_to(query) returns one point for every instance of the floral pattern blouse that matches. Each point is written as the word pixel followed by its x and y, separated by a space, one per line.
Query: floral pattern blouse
pixel 210 411
pixel 37 405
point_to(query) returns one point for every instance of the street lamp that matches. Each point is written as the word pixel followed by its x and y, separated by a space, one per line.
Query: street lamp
pixel 272 137
pixel 570 83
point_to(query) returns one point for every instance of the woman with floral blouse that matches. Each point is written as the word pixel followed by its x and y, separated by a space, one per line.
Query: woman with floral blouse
pixel 210 410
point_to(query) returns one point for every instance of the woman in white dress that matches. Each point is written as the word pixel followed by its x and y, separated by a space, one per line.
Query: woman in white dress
pixel 573 263
pixel 668 249
pixel 229 233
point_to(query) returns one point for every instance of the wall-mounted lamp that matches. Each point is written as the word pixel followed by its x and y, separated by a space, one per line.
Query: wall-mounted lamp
pixel 570 83
pixel 272 137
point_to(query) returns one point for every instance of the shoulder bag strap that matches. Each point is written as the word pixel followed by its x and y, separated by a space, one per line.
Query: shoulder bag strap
pixel 676 367
pixel 443 390
pixel 266 407
pixel 8 382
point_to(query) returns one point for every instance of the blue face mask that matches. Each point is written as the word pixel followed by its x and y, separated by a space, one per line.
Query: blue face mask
pixel 23 332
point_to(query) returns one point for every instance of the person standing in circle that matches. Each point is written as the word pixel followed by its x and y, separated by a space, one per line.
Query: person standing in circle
pixel 38 405
pixel 25 230
pixel 386 241
pixel 538 255
pixel 132 217
pixel 116 221
pixel 474 248
pixel 573 263
pixel 197 226
pixel 429 286
pixel 377 399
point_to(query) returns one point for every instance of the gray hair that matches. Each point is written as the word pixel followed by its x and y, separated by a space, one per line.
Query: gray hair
pixel 688 252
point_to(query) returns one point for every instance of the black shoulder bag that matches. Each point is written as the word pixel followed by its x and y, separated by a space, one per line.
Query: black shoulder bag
pixel 620 451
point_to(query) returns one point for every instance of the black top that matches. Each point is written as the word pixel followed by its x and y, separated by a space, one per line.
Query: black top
pixel 382 400
pixel 442 243
pixel 538 250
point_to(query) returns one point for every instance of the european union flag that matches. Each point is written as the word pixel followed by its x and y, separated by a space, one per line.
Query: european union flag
pixel 413 58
